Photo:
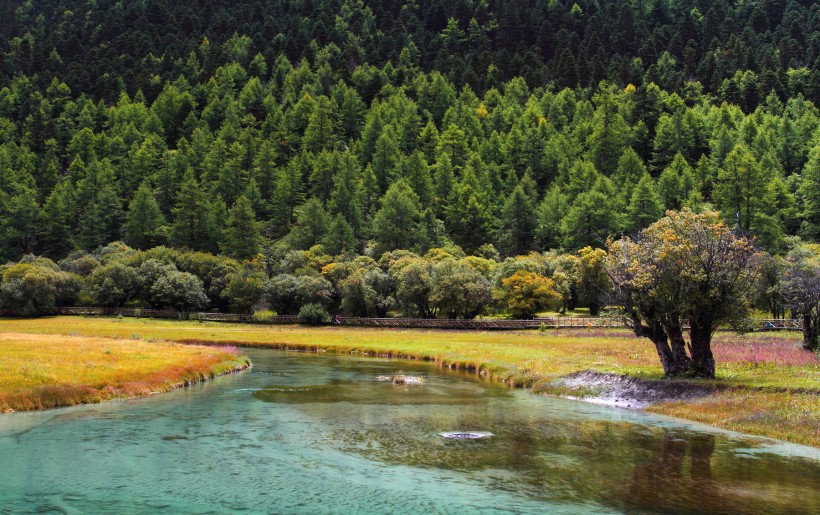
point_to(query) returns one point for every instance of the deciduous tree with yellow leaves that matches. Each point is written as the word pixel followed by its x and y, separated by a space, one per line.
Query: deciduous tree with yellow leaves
pixel 525 293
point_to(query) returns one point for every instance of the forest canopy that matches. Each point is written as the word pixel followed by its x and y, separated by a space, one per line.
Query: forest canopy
pixel 352 128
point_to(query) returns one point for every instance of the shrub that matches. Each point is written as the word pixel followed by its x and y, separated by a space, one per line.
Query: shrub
pixel 313 314
pixel 525 293
pixel 245 287
pixel 264 316
pixel 113 285
pixel 28 289
pixel 180 290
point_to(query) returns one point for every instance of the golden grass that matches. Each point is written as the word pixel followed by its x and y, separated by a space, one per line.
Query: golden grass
pixel 44 371
pixel 763 367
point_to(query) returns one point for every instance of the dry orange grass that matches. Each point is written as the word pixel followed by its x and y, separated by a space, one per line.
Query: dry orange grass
pixel 44 371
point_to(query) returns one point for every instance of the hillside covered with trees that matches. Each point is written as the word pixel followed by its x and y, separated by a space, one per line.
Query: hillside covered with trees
pixel 356 138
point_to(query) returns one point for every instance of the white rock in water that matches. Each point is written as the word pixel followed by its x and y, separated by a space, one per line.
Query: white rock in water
pixel 400 378
pixel 466 435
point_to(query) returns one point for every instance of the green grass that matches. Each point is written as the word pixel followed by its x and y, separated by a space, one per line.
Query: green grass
pixel 758 372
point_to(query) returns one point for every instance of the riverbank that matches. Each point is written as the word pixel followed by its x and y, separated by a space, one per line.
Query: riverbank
pixel 766 385
pixel 39 371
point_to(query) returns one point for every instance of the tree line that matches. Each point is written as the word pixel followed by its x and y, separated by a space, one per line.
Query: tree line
pixel 687 273
pixel 738 50
pixel 443 283
pixel 238 164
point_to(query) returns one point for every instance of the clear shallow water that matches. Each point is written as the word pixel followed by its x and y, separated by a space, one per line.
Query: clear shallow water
pixel 305 433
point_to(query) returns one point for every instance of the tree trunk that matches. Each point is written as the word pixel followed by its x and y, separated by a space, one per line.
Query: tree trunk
pixel 671 365
pixel 701 449
pixel 810 331
pixel 594 309
pixel 682 361
pixel 703 363
pixel 665 354
pixel 656 333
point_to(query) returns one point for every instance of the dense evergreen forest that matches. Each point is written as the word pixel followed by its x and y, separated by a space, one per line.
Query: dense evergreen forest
pixel 298 135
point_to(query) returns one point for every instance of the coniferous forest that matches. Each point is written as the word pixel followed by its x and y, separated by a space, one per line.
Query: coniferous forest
pixel 370 155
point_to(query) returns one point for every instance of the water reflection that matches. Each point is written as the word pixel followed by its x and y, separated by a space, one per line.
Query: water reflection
pixel 548 449
pixel 316 433
pixel 679 471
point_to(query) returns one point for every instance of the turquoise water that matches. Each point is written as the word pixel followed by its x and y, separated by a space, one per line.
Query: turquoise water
pixel 304 433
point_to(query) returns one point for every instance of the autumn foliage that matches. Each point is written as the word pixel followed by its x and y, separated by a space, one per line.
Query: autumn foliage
pixel 526 293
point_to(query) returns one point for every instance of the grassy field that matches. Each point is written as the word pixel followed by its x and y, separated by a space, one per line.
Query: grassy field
pixel 767 384
pixel 45 371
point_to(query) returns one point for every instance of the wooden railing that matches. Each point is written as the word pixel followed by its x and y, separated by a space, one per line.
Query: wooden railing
pixel 173 314
pixel 397 322
pixel 478 323
pixel 784 324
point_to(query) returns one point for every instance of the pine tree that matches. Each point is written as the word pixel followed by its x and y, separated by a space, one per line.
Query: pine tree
pixel 254 196
pixel 324 168
pixel 320 133
pixel 453 144
pixel 469 216
pixel 673 135
pixel 143 220
pixel 101 215
pixel 431 232
pixel 395 224
pixel 351 112
pixel 416 172
pixel 428 141
pixel 810 193
pixel 551 210
pixel 311 225
pixel 609 131
pixel 57 238
pixel 166 181
pixel 264 167
pixel 20 224
pixel 445 180
pixel 740 188
pixel 193 225
pixel 241 236
pixel 339 238
pixel 346 197
pixel 629 171
pixel 645 205
pixel 589 221
pixel 518 224
pixel 233 175
pixel 287 194
pixel 674 182
pixel 385 157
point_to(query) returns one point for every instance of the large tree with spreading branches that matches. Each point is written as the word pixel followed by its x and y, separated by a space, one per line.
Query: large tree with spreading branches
pixel 686 274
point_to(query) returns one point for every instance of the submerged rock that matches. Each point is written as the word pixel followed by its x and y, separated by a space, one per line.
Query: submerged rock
pixel 466 435
pixel 401 378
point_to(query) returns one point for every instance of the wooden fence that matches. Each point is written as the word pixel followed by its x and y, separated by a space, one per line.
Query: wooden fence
pixel 397 322
pixel 478 323
pixel 173 314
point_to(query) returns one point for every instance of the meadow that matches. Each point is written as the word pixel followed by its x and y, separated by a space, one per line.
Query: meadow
pixel 766 384
pixel 40 371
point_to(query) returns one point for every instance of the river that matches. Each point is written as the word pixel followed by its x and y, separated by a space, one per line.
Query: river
pixel 319 433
